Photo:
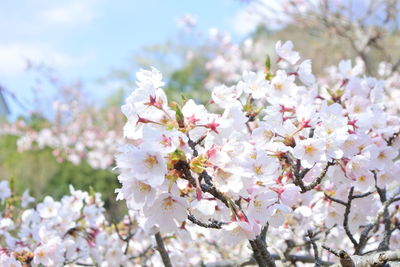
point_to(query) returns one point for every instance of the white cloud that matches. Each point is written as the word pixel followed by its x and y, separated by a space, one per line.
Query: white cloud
pixel 14 57
pixel 43 18
pixel 37 30
pixel 74 12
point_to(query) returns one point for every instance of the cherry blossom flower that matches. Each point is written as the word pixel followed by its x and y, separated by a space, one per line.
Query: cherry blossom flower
pixel 310 152
pixel 48 208
pixel 50 253
pixel 224 96
pixel 285 52
pixel 237 231
pixel 305 73
pixel 254 84
pixel 166 211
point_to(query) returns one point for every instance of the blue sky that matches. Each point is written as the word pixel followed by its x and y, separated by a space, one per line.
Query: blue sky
pixel 85 39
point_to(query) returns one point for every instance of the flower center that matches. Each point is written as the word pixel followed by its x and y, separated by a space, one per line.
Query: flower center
pixel 168 203
pixel 144 187
pixel 150 161
pixel 362 178
pixel 257 203
pixel 254 87
pixel 268 134
pixel 278 86
pixel 357 109
pixel 382 155
pixel 258 170
pixel 310 149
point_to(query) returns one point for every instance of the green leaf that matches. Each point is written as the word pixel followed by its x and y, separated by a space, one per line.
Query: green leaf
pixel 178 114
pixel 268 64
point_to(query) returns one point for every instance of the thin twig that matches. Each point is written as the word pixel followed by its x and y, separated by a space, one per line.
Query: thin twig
pixel 334 252
pixel 315 248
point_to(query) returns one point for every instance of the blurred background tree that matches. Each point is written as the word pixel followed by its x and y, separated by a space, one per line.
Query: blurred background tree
pixel 40 172
pixel 326 31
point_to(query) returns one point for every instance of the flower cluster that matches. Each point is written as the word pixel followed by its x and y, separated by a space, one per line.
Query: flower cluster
pixel 284 151
pixel 55 233
pixel 75 232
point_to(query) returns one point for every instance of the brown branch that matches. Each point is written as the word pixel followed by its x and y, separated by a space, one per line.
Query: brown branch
pixel 161 249
pixel 376 259
pixel 83 264
pixel 299 175
pixel 315 248
pixel 334 252
pixel 362 195
pixel 392 138
pixel 261 254
pixel 335 199
pixel 346 218
pixel 184 167
pixel 211 224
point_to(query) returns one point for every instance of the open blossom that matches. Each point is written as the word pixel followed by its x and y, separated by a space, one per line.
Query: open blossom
pixel 227 180
pixel 285 52
pixel 334 214
pixel 137 193
pixel 9 261
pixel 50 253
pixel 203 209
pixel 166 211
pixel 279 213
pixel 254 84
pixel 259 205
pixel 357 166
pixel 310 151
pixel 387 177
pixel 382 157
pixel 305 73
pixel 48 208
pixel 290 195
pixel 239 230
pixel 150 166
pixel 262 166
pixel 281 85
pixel 145 165
pixel 166 141
pixel 263 134
pixel 149 78
pixel 364 182
pixel 224 96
